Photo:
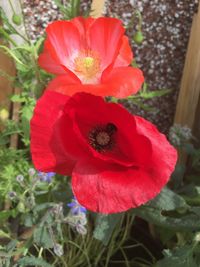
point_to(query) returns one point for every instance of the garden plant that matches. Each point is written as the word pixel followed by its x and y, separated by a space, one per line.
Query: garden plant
pixel 89 183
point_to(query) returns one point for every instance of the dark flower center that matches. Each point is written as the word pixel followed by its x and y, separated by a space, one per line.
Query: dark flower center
pixel 101 137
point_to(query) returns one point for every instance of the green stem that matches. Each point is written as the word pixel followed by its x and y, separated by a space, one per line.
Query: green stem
pixel 7 36
pixel 11 5
pixel 40 252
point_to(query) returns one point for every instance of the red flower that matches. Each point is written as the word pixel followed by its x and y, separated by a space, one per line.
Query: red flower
pixel 90 55
pixel 117 161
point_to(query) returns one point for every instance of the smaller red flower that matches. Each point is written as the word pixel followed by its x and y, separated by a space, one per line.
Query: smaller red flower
pixel 90 55
pixel 117 161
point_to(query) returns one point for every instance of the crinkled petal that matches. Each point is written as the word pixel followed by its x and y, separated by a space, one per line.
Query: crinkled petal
pixel 120 82
pixel 105 35
pixel 123 81
pixel 83 24
pixel 46 61
pixel 107 188
pixel 164 156
pixel 129 148
pixel 125 55
pixel 51 151
pixel 65 84
pixel 63 42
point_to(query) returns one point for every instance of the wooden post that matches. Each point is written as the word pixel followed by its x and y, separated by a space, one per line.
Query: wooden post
pixel 190 85
pixel 7 65
pixel 97 8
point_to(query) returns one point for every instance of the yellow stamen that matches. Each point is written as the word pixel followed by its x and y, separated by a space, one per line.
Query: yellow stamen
pixel 87 64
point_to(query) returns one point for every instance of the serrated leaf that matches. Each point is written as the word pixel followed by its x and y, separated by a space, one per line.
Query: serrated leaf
pixel 42 237
pixel 105 225
pixel 17 98
pixel 5 214
pixel 4 235
pixel 152 94
pixel 33 261
pixel 187 222
pixel 179 257
pixel 168 200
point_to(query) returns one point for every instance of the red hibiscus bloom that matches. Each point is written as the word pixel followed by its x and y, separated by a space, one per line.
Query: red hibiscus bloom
pixel 90 55
pixel 117 161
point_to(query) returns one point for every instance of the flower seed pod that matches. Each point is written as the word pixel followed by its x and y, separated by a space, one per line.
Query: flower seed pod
pixel 16 19
pixel 138 37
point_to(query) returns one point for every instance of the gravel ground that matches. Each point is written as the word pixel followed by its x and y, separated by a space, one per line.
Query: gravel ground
pixel 166 27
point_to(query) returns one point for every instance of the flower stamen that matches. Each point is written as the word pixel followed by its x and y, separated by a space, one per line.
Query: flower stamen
pixel 87 64
pixel 101 138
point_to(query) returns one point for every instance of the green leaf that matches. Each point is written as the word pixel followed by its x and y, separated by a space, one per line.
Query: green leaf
pixel 42 237
pixel 168 200
pixel 105 225
pixel 33 261
pixel 179 257
pixel 27 113
pixel 4 235
pixel 5 214
pixel 44 206
pixel 156 93
pixel 187 222
pixel 17 98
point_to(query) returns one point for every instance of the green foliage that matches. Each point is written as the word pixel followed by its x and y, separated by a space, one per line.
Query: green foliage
pixel 12 162
pixel 42 237
pixel 33 261
pixel 69 11
pixel 179 257
pixel 105 225
pixel 168 200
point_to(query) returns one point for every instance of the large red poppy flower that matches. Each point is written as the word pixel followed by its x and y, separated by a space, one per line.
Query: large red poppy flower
pixel 117 161
pixel 90 55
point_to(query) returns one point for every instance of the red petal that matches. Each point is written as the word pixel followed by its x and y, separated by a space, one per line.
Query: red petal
pixel 63 42
pixel 70 85
pixel 120 82
pixel 105 36
pixel 164 155
pixel 125 56
pixel 90 112
pixel 83 24
pixel 50 152
pixel 123 81
pixel 49 64
pixel 65 84
pixel 106 188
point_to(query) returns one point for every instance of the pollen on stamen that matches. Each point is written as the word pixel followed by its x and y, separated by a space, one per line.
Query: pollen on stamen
pixel 87 64
pixel 102 138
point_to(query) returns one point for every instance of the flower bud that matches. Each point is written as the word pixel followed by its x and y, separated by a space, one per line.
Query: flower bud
pixel 138 37
pixel 17 19
pixel 21 207
pixel 31 172
pixel 81 229
pixel 20 178
pixel 4 114
pixel 12 195
pixel 58 249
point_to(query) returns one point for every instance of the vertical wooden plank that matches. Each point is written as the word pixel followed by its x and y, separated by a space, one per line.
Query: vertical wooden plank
pixel 97 8
pixel 7 88
pixel 190 85
pixel 6 66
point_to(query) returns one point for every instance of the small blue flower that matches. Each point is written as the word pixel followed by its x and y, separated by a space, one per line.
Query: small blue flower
pixel 46 177
pixel 76 208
